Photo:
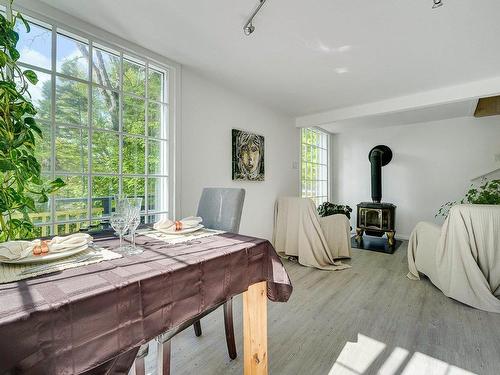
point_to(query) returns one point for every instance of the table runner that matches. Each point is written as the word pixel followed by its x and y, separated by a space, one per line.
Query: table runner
pixel 96 316
pixel 179 238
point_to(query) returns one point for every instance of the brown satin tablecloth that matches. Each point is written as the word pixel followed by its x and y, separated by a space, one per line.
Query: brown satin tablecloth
pixel 93 318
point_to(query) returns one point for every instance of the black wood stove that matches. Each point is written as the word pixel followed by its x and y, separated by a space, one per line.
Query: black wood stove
pixel 376 218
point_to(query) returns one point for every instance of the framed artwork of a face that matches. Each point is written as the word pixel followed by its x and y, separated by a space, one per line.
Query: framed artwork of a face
pixel 248 156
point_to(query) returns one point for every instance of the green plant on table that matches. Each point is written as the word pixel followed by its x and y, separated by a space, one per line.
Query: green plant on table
pixel 487 193
pixel 21 185
pixel 327 209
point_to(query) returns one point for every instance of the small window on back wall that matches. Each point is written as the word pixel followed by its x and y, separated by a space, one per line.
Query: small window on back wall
pixel 314 165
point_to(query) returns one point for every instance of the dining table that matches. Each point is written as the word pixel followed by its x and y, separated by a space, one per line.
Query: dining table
pixel 92 319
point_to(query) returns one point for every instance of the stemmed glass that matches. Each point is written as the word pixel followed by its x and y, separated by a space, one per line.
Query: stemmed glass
pixel 119 222
pixel 135 205
pixel 120 219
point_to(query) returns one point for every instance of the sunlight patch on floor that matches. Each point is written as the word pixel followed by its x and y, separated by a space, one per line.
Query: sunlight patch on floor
pixel 424 364
pixel 394 362
pixel 356 358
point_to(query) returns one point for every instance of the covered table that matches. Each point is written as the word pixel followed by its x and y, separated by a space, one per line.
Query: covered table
pixel 94 318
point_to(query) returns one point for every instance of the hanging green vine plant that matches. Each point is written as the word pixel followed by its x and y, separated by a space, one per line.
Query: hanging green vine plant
pixel 21 185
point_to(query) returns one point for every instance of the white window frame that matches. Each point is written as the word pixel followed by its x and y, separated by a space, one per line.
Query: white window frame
pixel 302 161
pixel 172 97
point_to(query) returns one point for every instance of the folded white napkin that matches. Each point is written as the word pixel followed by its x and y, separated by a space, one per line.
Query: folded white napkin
pixel 58 244
pixel 171 225
pixel 13 250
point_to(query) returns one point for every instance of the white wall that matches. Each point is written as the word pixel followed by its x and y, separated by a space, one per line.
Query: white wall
pixel 209 112
pixel 433 163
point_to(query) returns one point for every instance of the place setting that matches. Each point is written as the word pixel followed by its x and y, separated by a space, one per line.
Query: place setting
pixel 21 259
pixel 126 218
pixel 25 259
pixel 185 230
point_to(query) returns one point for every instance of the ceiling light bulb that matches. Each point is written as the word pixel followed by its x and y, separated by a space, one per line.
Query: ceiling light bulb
pixel 437 4
pixel 249 29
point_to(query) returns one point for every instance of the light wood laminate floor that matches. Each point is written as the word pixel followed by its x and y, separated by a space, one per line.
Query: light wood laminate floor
pixel 369 319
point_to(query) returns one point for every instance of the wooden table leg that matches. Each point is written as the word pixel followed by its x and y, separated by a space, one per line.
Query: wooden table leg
pixel 255 330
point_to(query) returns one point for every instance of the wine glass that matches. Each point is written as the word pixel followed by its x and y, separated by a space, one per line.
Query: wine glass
pixel 135 205
pixel 119 222
pixel 121 203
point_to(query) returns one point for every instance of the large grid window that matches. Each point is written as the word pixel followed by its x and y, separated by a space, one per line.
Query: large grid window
pixel 314 165
pixel 104 115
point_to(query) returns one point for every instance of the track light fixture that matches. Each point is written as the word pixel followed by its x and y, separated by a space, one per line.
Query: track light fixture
pixel 437 4
pixel 249 28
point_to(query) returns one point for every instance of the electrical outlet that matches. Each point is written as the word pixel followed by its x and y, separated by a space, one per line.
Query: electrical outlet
pixel 497 157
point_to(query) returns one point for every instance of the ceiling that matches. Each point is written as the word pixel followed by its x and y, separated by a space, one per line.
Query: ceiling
pixel 310 56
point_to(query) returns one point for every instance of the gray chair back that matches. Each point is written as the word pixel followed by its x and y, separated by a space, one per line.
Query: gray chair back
pixel 221 208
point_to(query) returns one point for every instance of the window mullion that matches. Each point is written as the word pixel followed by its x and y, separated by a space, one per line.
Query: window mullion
pixel 90 124
pixel 146 146
pixel 120 126
pixel 53 126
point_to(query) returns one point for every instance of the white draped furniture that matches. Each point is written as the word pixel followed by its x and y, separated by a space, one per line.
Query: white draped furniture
pixel 317 241
pixel 462 258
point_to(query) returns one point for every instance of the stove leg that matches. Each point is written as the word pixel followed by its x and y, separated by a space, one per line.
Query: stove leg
pixel 359 234
pixel 390 238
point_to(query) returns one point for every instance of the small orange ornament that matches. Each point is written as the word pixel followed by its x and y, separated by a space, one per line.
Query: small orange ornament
pixel 45 247
pixel 37 250
pixel 41 249
pixel 178 225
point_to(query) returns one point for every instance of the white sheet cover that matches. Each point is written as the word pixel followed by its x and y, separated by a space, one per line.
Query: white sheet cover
pixel 317 242
pixel 462 258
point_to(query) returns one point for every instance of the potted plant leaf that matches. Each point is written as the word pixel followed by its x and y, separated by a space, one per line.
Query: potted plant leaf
pixel 328 208
pixel 486 193
pixel 21 185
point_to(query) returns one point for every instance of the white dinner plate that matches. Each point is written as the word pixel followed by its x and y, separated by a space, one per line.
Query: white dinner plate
pixel 47 258
pixel 183 231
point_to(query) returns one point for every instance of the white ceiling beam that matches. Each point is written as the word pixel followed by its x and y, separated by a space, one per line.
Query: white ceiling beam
pixel 445 95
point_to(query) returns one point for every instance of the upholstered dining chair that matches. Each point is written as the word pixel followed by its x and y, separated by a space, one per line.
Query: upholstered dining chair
pixel 220 209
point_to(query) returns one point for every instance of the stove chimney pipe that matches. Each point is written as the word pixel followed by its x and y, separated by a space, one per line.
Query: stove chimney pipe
pixel 379 156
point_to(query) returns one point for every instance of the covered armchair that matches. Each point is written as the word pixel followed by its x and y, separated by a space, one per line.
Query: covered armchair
pixel 316 242
pixel 462 258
